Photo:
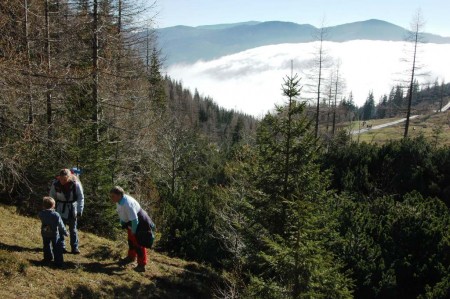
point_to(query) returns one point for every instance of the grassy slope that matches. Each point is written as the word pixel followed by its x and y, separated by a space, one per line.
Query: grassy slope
pixel 355 125
pixel 423 125
pixel 94 274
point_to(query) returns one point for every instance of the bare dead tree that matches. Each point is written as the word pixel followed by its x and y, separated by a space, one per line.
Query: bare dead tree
pixel 338 86
pixel 415 38
pixel 320 63
pixel 329 99
pixel 28 65
pixel 316 75
pixel 49 70
pixel 171 148
pixel 95 71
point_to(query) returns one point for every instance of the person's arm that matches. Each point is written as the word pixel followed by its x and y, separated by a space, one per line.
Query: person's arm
pixel 134 219
pixel 123 224
pixel 62 227
pixel 80 198
pixel 52 192
pixel 134 225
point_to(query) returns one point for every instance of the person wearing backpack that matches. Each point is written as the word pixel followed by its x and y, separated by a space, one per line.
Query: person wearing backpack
pixel 68 193
pixel 52 231
pixel 139 227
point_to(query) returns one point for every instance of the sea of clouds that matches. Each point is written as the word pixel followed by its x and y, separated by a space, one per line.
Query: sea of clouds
pixel 250 81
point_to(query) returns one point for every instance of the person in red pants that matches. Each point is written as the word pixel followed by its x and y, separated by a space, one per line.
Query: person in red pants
pixel 128 209
pixel 136 251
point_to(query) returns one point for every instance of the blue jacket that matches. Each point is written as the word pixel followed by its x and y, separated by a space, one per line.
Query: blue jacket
pixel 52 224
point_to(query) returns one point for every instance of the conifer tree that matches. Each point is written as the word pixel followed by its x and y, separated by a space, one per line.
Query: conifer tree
pixel 293 221
pixel 157 93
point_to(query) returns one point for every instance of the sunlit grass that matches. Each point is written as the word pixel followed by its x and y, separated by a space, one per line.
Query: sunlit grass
pixel 435 127
pixel 93 274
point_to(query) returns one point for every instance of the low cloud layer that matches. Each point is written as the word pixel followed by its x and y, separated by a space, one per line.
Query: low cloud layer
pixel 250 81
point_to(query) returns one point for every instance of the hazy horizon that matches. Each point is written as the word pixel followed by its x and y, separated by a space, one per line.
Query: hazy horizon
pixel 209 12
pixel 250 81
pixel 317 26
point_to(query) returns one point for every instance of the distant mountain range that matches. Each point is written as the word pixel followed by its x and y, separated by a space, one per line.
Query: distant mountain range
pixel 184 44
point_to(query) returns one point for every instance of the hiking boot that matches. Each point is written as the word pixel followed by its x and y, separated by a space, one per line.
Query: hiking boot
pixel 64 251
pixel 76 251
pixel 126 261
pixel 46 262
pixel 140 268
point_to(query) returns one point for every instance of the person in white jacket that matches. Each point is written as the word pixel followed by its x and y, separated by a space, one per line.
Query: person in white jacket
pixel 129 210
pixel 68 194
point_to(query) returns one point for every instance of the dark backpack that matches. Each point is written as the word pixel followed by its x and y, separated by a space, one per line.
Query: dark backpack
pixel 73 190
pixel 145 232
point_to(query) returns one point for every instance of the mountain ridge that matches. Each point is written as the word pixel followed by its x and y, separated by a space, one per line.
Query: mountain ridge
pixel 186 44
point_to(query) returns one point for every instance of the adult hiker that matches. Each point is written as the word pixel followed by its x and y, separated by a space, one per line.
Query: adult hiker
pixel 139 227
pixel 68 194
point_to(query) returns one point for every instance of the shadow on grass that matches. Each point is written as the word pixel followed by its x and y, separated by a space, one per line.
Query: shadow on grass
pixel 16 248
pixel 92 267
pixel 104 252
pixel 99 268
pixel 185 285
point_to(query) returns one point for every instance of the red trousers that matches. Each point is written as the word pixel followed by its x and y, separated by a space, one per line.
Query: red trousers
pixel 136 250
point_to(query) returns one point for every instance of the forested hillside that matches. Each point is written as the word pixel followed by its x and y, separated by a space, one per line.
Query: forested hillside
pixel 267 208
pixel 427 98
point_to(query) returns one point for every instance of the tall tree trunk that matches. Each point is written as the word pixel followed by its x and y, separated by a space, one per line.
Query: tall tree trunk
pixel 411 85
pixel 335 101
pixel 330 95
pixel 49 69
pixel 119 21
pixel 316 131
pixel 147 55
pixel 28 55
pixel 297 288
pixel 287 147
pixel 117 85
pixel 95 97
pixel 174 173
pixel 319 83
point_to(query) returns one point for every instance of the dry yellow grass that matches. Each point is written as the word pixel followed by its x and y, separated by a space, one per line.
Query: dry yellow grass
pixel 423 125
pixel 355 125
pixel 93 274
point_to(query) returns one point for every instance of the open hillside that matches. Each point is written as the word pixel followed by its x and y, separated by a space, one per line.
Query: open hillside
pixel 435 127
pixel 93 274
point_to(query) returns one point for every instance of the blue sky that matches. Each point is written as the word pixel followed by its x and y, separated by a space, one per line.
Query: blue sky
pixel 400 12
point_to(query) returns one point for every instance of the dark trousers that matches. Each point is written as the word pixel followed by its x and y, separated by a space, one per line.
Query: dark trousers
pixel 72 222
pixel 53 249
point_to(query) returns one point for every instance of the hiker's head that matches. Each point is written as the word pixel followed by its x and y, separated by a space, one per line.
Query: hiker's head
pixel 116 193
pixel 65 176
pixel 48 202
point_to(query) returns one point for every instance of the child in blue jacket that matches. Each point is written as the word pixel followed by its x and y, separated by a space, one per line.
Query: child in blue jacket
pixel 52 231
